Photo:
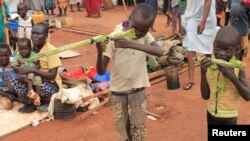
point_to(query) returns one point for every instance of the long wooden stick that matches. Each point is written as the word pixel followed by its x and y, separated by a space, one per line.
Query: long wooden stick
pixel 153 114
pixel 125 7
pixel 135 2
pixel 6 31
pixel 157 80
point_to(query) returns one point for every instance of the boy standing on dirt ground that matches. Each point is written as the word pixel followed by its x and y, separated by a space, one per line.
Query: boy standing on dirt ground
pixel 222 86
pixel 129 74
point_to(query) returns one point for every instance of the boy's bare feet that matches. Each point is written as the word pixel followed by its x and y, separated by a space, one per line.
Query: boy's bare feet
pixel 34 96
pixel 27 108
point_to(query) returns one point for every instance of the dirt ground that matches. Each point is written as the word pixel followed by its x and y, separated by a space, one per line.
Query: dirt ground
pixel 183 113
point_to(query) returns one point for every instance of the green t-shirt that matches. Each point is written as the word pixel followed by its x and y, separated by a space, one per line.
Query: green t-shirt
pixel 25 62
pixel 182 5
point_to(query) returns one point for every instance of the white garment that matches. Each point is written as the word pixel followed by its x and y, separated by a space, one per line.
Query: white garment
pixel 174 3
pixel 25 26
pixel 74 1
pixel 12 5
pixel 36 5
pixel 202 43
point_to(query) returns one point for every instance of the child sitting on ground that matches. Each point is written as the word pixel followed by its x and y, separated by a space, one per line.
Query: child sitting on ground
pixel 222 86
pixel 5 66
pixel 25 52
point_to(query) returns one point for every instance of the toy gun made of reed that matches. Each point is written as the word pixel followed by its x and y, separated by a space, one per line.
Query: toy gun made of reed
pixel 233 63
pixel 100 38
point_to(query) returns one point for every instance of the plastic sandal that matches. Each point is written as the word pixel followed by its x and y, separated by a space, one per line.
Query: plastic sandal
pixel 43 107
pixel 188 85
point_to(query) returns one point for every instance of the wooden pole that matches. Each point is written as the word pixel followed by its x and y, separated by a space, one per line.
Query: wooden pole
pixel 125 7
pixel 6 31
pixel 135 2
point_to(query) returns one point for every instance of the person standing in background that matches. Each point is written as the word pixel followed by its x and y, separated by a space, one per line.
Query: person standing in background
pixel 93 8
pixel 154 4
pixel 62 5
pixel 239 20
pixel 199 20
pixel 175 14
pixel 73 2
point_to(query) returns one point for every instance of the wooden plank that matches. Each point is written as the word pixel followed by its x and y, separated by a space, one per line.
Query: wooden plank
pixel 84 30
pixel 153 114
pixel 80 32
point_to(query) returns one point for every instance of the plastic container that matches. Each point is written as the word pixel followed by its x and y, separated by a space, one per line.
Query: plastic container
pixel 13 25
pixel 38 17
pixel 172 78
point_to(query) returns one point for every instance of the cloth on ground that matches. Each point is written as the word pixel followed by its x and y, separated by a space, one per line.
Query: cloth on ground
pixel 73 96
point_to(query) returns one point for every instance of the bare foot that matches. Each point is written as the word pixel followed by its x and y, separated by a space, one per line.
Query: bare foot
pixel 37 101
pixel 27 108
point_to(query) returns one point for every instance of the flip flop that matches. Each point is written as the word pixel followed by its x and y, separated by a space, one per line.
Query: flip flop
pixel 43 108
pixel 188 85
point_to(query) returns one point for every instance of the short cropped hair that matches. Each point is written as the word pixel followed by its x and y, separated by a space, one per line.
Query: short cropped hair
pixel 44 25
pixel 22 5
pixel 27 40
pixel 5 46
pixel 228 33
pixel 146 10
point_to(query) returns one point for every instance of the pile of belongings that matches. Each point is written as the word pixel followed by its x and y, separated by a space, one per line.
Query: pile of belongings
pixel 79 96
pixel 88 77
pixel 174 53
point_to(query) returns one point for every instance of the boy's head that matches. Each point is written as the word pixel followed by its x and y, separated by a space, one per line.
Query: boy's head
pixel 226 43
pixel 142 18
pixel 39 34
pixel 24 47
pixel 22 9
pixel 4 54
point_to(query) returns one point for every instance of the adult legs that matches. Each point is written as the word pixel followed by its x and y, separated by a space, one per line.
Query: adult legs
pixel 165 6
pixel 191 65
pixel 60 12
